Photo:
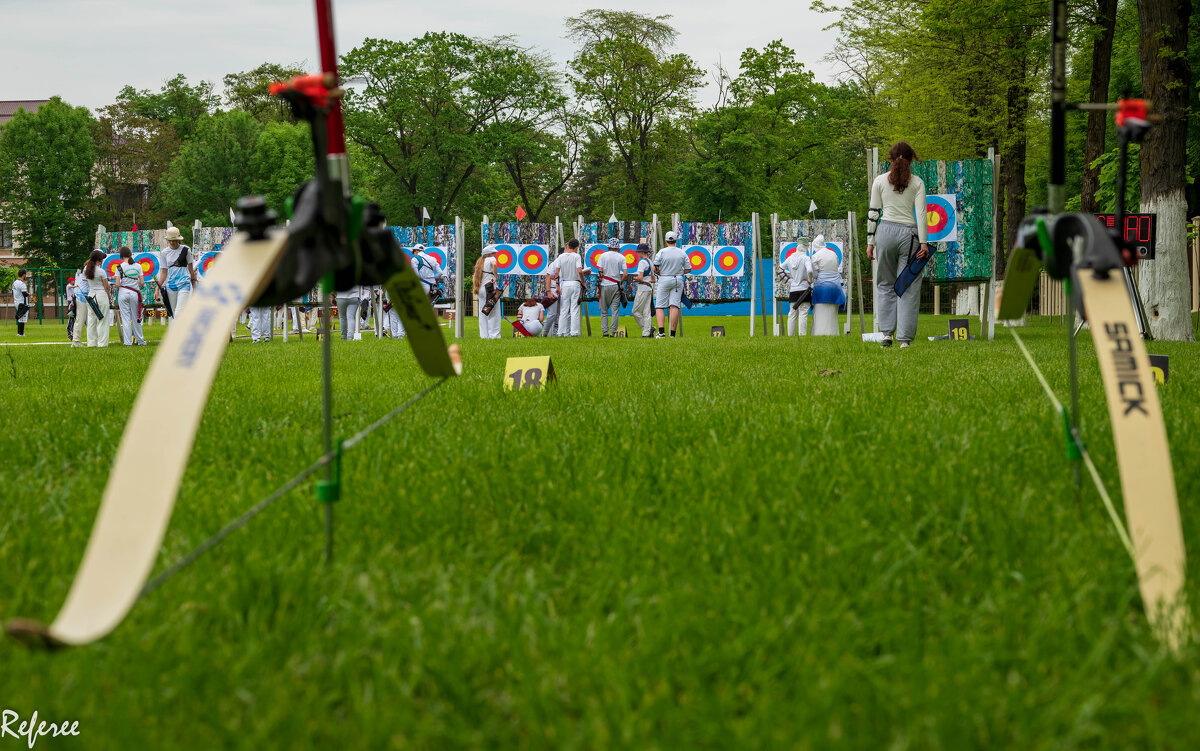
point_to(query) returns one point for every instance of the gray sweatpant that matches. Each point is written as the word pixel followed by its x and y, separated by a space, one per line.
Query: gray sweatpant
pixel 610 304
pixel 642 312
pixel 894 243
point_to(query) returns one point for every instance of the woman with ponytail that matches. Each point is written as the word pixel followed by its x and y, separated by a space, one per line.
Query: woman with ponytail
pixel 97 323
pixel 485 285
pixel 896 234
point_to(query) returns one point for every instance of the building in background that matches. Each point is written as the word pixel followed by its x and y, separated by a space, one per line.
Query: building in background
pixel 9 250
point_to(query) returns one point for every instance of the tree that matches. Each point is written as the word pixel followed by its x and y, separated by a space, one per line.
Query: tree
pixel 212 170
pixel 177 103
pixel 634 89
pixel 248 91
pixel 437 110
pixel 1105 22
pixel 133 153
pixel 46 164
pixel 282 159
pixel 1166 81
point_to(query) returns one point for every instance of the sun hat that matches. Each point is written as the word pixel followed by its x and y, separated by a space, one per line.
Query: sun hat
pixel 173 233
pixel 671 237
pixel 614 242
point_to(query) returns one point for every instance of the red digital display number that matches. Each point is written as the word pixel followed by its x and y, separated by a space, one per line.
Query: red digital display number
pixel 1139 230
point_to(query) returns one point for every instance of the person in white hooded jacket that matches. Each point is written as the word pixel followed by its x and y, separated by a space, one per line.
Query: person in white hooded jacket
pixel 799 270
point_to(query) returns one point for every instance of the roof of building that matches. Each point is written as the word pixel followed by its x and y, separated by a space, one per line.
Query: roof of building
pixel 8 108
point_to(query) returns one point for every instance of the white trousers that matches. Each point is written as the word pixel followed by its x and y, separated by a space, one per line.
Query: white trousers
pixel 568 309
pixel 260 324
pixel 131 324
pixel 551 325
pixel 489 325
pixel 97 325
pixel 642 312
pixel 798 320
pixel 394 324
pixel 83 314
pixel 348 312
pixel 178 298
pixel 533 327
pixel 825 319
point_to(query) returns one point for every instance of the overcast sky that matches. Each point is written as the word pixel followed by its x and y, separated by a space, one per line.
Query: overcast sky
pixel 86 50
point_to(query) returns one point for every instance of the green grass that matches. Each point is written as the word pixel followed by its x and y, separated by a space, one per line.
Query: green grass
pixel 684 544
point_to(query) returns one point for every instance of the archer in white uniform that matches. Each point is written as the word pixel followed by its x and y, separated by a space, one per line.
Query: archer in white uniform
pixel 672 265
pixel 129 299
pixel 98 294
pixel 347 304
pixel 427 271
pixel 177 274
pixel 20 292
pixel 645 292
pixel 485 278
pixel 612 275
pixel 568 270
pixel 798 268
pixel 83 311
pixel 551 324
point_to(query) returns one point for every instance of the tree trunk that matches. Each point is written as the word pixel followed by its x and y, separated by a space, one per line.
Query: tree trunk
pixel 1012 166
pixel 1166 80
pixel 1106 20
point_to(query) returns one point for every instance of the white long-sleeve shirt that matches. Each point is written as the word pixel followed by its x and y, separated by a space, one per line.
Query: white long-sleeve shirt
pixel 907 207
pixel 799 269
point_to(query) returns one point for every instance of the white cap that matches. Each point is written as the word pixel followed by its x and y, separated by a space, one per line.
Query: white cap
pixel 418 248
pixel 489 250
pixel 671 237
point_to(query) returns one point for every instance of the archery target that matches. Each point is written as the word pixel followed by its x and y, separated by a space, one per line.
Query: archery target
pixel 110 264
pixel 439 255
pixel 206 260
pixel 730 260
pixel 941 214
pixel 700 259
pixel 629 250
pixel 506 258
pixel 786 250
pixel 593 255
pixel 533 259
pixel 148 263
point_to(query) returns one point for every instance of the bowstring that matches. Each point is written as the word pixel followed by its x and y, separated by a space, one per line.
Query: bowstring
pixel 1087 457
pixel 245 518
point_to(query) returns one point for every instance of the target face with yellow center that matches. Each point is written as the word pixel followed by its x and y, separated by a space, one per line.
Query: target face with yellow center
pixel 206 261
pixel 730 260
pixel 148 262
pixel 110 264
pixel 941 216
pixel 506 258
pixel 699 259
pixel 629 250
pixel 533 259
pixel 593 255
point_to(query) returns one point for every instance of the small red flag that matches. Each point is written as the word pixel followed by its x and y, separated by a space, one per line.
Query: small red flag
pixel 135 227
pixel 520 213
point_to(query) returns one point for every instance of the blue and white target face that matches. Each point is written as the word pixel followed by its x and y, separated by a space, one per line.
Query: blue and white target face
pixel 786 250
pixel 941 217
pixel 439 255
pixel 533 259
pixel 699 259
pixel 730 260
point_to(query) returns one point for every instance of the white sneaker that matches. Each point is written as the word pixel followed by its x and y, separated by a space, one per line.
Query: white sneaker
pixel 903 345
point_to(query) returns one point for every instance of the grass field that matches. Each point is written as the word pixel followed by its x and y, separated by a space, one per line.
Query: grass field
pixel 698 543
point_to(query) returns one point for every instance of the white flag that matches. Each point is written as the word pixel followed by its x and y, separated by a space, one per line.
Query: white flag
pixel 425 213
pixel 232 221
pixel 812 206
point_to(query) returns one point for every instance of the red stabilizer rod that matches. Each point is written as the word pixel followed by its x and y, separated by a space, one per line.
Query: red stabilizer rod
pixel 325 41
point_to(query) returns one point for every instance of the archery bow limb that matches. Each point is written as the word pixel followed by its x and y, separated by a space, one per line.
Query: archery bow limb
pixel 139 497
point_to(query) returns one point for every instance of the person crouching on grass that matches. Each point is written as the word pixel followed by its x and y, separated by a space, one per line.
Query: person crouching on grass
pixel 533 313
pixel 896 223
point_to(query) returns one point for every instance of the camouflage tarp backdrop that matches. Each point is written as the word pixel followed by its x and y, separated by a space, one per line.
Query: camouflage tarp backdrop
pixel 718 288
pixel 442 236
pixel 969 259
pixel 142 241
pixel 803 231
pixel 520 286
pixel 627 232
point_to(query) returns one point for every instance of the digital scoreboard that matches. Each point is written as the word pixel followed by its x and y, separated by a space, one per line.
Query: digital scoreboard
pixel 1139 231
